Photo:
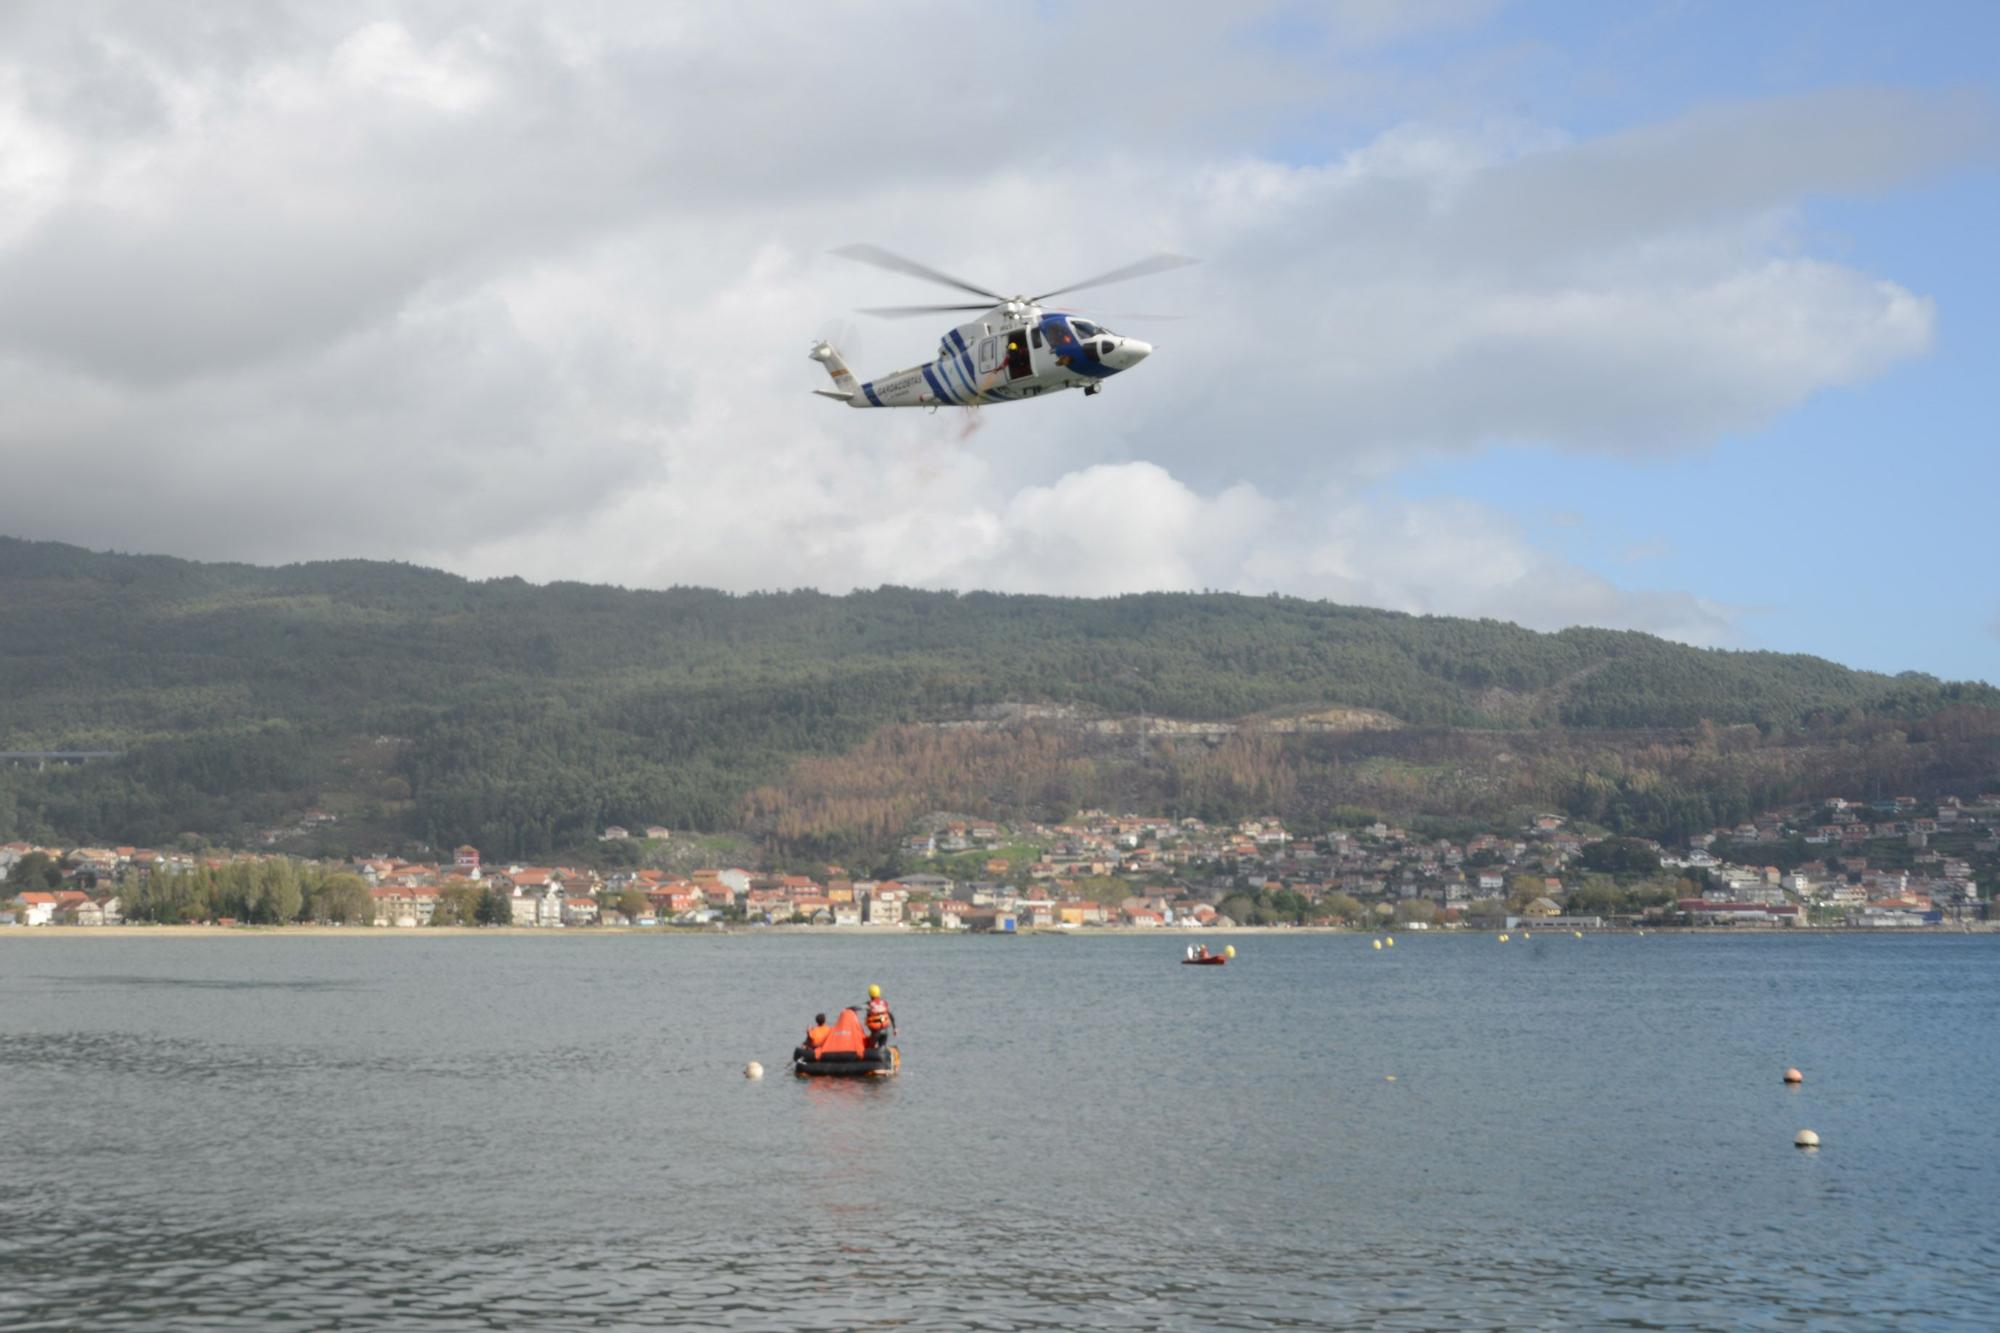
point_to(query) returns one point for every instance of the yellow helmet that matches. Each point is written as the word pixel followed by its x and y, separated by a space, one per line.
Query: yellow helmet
pixel 874 992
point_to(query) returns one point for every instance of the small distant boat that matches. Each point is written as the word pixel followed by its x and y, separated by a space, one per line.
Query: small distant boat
pixel 1207 959
pixel 846 1054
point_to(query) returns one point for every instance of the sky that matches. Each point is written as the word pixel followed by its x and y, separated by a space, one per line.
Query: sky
pixel 1667 316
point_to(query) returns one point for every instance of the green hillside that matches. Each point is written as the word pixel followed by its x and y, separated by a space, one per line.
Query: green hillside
pixel 524 717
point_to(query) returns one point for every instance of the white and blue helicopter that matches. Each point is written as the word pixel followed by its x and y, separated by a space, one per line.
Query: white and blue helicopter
pixel 1013 349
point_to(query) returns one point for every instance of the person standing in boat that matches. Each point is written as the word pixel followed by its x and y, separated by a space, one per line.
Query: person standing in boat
pixel 878 1018
pixel 816 1036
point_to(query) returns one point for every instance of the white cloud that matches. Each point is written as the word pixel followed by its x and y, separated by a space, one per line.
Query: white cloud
pixel 511 290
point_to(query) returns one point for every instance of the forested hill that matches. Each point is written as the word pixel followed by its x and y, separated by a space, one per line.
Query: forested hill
pixel 525 713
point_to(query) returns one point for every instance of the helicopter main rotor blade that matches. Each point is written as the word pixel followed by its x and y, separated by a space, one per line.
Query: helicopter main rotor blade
pixel 880 258
pixel 1155 264
pixel 912 311
pixel 1115 314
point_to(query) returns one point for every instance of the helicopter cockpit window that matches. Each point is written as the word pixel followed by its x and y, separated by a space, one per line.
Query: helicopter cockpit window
pixel 1084 328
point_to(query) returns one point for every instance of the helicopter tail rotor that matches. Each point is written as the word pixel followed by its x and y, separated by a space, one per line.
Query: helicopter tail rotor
pixel 845 386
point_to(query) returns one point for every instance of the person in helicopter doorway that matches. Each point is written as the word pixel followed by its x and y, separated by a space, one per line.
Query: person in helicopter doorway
pixel 816 1036
pixel 880 1022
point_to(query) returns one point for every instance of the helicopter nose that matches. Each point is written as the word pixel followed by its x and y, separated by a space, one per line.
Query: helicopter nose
pixel 1129 352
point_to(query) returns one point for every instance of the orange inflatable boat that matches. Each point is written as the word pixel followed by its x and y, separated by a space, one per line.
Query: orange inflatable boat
pixel 845 1054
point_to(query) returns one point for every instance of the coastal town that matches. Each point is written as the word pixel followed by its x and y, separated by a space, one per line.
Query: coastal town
pixel 1895 863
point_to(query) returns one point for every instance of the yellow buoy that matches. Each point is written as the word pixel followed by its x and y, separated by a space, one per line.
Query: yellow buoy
pixel 1577 933
pixel 1503 939
pixel 1375 943
pixel 1390 941
pixel 1527 935
pixel 1229 951
pixel 1388 1078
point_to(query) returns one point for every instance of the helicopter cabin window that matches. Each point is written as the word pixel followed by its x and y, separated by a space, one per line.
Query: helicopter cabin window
pixel 989 355
pixel 1035 337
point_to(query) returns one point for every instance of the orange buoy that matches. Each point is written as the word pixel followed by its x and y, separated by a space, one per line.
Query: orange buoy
pixel 1794 1076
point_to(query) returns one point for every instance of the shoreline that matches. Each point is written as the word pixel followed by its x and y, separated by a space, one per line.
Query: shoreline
pixel 203 932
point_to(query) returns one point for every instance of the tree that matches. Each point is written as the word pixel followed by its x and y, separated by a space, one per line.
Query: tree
pixel 457 905
pixel 35 872
pixel 1486 912
pixel 1342 907
pixel 1658 892
pixel 634 904
pixel 1240 908
pixel 1621 856
pixel 1416 911
pixel 1524 889
pixel 343 899
pixel 495 909
pixel 277 897
pixel 171 899
pixel 1598 895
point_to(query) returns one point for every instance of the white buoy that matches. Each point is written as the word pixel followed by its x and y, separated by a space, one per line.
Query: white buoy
pixel 753 1070
pixel 1805 1138
pixel 1793 1076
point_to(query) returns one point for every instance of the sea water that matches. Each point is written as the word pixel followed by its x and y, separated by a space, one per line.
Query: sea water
pixel 501 1131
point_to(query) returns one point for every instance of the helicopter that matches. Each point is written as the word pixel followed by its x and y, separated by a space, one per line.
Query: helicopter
pixel 1014 349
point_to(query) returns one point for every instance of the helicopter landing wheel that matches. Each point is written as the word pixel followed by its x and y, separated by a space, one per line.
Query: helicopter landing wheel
pixel 1092 390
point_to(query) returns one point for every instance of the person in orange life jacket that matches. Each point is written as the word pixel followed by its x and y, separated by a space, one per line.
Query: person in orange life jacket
pixel 816 1036
pixel 878 1018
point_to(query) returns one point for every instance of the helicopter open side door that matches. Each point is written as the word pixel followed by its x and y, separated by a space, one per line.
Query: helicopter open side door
pixel 1020 360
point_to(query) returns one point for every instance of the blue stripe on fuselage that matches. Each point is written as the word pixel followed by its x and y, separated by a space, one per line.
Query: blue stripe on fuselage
pixel 868 390
pixel 965 360
pixel 966 385
pixel 937 390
